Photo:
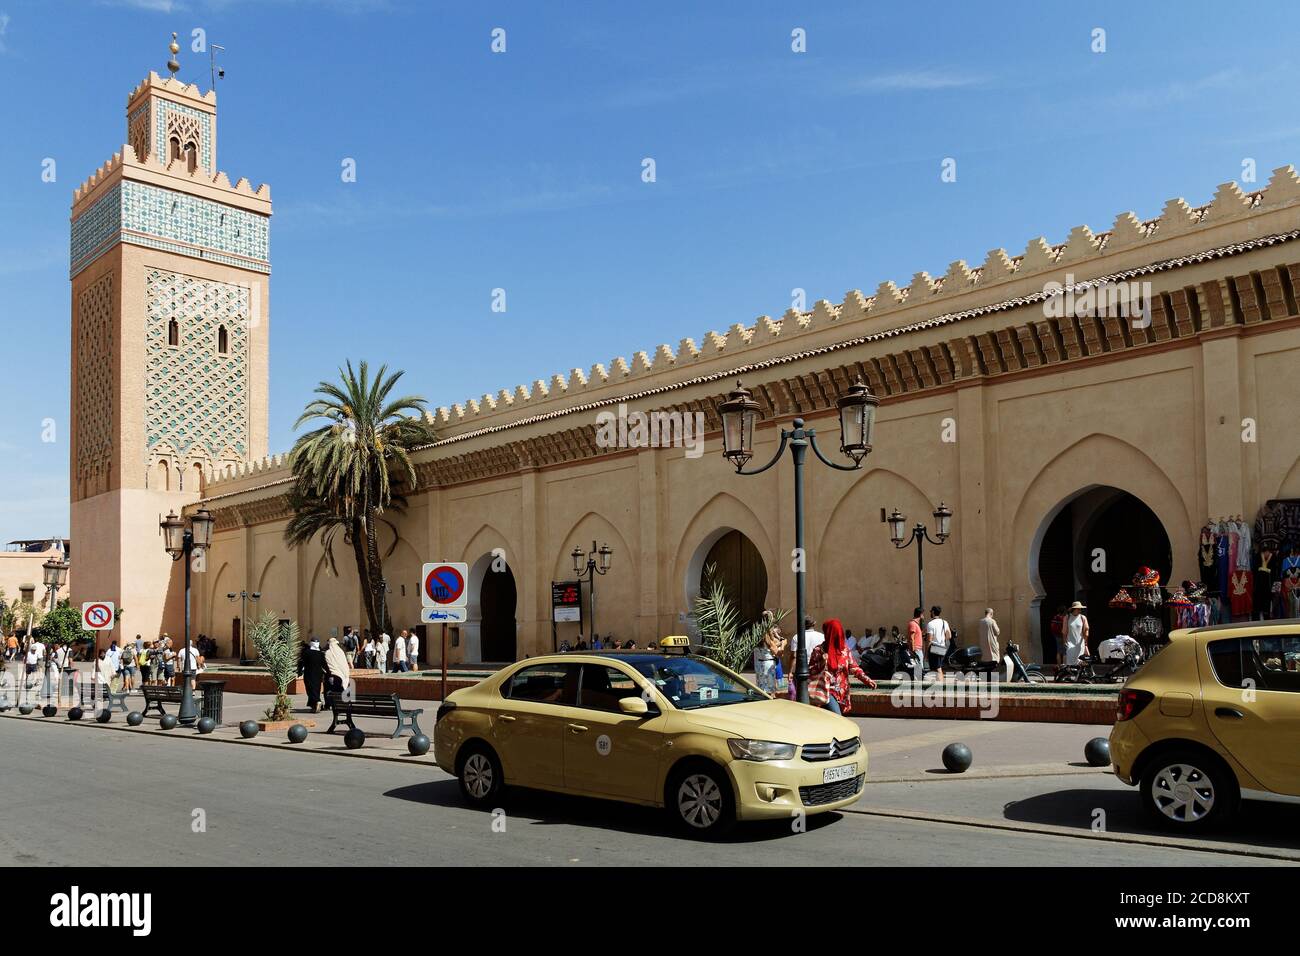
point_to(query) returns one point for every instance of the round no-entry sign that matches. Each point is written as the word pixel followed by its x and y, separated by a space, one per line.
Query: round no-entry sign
pixel 97 615
pixel 444 585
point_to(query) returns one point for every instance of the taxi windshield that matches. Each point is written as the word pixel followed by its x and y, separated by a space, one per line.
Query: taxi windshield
pixel 691 683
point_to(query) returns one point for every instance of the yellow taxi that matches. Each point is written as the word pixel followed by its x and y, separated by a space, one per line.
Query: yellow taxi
pixel 667 729
pixel 1215 713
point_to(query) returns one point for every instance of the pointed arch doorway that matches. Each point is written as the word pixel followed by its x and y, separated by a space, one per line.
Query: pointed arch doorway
pixel 739 566
pixel 1085 550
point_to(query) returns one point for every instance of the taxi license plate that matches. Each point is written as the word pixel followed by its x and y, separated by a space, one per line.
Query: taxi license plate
pixel 834 774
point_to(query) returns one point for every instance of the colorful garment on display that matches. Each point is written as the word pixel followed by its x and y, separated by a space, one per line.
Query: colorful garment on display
pixel 1241 593
pixel 1147 628
pixel 1192 615
pixel 1221 555
pixel 1244 552
pixel 1122 599
pixel 1277 525
pixel 1178 598
pixel 1268 526
pixel 1209 563
pixel 1147 577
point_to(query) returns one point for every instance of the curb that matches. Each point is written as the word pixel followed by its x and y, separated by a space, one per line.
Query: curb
pixel 993 773
pixel 407 759
pixel 1048 829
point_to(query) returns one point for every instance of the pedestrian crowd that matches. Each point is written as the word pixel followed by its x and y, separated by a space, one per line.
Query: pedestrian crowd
pixel 329 668
pixel 118 667
pixel 598 643
pixel 835 654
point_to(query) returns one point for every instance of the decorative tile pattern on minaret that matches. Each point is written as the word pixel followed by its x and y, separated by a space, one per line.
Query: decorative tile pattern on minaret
pixel 196 395
pixel 94 398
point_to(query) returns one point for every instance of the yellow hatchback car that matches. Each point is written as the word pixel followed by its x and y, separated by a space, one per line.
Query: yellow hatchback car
pixel 657 729
pixel 1215 713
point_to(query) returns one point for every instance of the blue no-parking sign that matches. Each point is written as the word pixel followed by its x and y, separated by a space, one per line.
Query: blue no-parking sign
pixel 442 585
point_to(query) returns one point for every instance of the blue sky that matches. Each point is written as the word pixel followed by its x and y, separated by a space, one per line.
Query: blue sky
pixel 775 170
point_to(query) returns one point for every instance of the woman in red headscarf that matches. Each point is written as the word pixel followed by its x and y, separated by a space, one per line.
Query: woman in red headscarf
pixel 829 668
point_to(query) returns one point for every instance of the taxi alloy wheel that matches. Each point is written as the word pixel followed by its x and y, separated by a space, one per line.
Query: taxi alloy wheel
pixel 1188 791
pixel 1183 793
pixel 699 801
pixel 700 798
pixel 480 776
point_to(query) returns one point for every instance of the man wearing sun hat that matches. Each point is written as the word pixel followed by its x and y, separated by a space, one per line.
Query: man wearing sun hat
pixel 1075 632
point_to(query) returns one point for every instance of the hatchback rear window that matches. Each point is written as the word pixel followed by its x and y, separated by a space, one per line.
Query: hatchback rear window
pixel 1267 663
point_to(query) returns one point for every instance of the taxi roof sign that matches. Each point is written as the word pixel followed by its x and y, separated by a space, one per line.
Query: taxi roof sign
pixel 679 641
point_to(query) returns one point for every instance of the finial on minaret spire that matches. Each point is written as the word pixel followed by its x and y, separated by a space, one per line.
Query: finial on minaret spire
pixel 174 65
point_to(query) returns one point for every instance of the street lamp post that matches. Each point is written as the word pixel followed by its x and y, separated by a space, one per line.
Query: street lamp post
pixel 586 567
pixel 857 411
pixel 243 597
pixel 919 535
pixel 182 542
pixel 56 573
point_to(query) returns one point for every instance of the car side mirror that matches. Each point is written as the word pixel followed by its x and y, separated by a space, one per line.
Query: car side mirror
pixel 635 706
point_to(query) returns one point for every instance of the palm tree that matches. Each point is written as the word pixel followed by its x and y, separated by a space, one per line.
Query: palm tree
pixel 354 467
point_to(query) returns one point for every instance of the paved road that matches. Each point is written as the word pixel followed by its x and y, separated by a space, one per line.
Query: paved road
pixel 67 791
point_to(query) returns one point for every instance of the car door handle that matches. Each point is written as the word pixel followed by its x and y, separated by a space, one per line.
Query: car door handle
pixel 506 718
pixel 577 728
pixel 1229 713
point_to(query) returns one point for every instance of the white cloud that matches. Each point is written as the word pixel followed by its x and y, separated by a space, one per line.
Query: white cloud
pixel 157 6
pixel 4 28
pixel 1182 90
pixel 915 80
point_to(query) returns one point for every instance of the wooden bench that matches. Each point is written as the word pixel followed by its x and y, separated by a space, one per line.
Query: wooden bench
pixel 372 705
pixel 155 695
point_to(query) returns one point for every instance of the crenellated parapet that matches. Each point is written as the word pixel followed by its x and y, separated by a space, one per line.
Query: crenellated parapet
pixel 172 207
pixel 1232 214
pixel 126 160
pixel 154 82
pixel 933 332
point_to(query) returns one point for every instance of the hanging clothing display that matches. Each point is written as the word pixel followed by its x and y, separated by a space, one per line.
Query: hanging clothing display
pixel 1241 593
pixel 1243 546
pixel 1268 527
pixel 1209 565
pixel 1264 585
pixel 1222 549
pixel 1246 567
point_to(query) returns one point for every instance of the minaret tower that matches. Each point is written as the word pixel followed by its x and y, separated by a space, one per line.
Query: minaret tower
pixel 169 268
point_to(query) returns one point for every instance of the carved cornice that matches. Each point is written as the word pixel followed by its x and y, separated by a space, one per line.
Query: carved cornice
pixel 1031 341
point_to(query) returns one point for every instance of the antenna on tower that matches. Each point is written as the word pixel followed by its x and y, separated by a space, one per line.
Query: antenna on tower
pixel 212 60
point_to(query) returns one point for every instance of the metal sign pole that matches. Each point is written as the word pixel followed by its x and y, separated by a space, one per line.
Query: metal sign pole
pixel 444 663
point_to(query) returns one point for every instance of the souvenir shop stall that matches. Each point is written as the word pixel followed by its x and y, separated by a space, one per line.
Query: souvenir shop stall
pixel 1252 572
pixel 1158 609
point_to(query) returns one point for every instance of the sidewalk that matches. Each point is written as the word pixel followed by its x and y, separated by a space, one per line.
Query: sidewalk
pixel 898 748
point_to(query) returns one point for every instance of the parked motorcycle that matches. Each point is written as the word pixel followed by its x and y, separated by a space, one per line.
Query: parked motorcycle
pixel 890 660
pixel 1113 670
pixel 968 660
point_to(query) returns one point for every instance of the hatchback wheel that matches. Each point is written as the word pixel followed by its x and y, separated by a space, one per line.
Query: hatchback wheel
pixel 700 800
pixel 480 776
pixel 1188 791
